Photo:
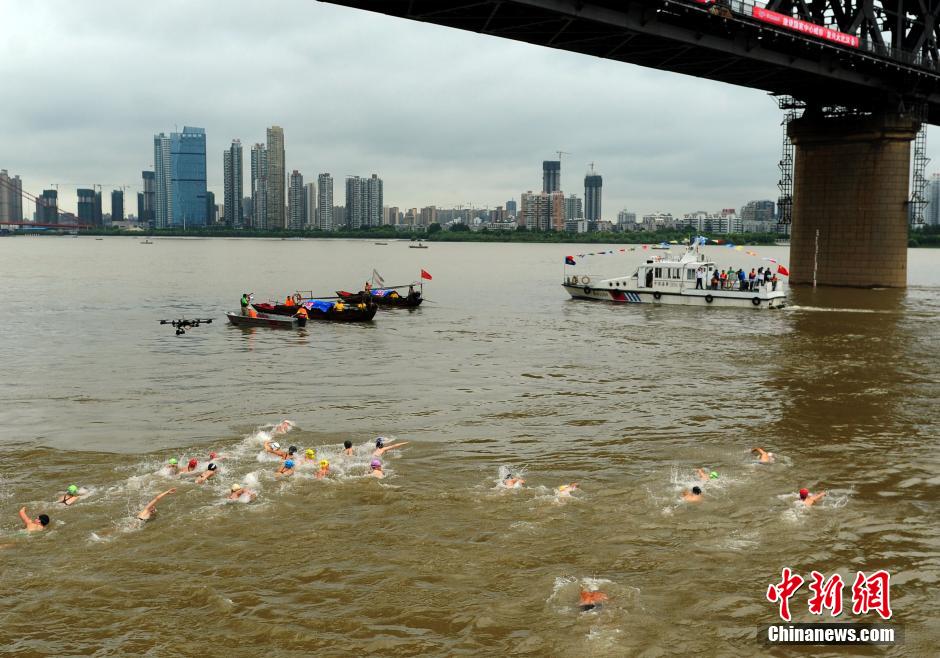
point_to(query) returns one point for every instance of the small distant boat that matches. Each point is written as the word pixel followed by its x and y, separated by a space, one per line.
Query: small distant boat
pixel 99 238
pixel 266 320
pixel 417 245
pixel 387 297
pixel 380 243
pixel 663 247
pixel 148 241
pixel 321 310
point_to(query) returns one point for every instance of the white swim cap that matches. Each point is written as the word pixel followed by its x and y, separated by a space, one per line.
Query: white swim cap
pixel 275 445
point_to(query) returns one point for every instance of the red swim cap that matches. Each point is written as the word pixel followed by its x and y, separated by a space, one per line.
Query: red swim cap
pixel 192 462
pixel 804 493
pixel 212 455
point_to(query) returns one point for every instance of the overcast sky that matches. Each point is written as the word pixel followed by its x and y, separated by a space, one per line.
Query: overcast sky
pixel 445 117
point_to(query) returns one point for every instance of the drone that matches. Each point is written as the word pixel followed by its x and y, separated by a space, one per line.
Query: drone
pixel 182 324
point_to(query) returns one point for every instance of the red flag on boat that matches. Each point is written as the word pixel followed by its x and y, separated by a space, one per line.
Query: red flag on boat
pixel 425 275
pixel 782 270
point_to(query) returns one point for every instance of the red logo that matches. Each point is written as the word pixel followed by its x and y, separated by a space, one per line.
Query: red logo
pixel 869 593
pixel 872 593
pixel 781 593
pixel 827 594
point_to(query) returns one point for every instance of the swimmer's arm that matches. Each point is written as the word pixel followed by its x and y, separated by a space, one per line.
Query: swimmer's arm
pixel 397 445
pixel 701 475
pixel 25 518
pixel 159 497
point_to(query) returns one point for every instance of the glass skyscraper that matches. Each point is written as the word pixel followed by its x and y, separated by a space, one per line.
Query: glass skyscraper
pixel 188 177
pixel 162 190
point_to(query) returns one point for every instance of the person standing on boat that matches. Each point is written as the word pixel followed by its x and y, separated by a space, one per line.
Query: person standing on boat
pixel 773 282
pixel 700 278
pixel 742 279
pixel 724 279
pixel 752 280
pixel 289 301
pixel 246 300
pixel 715 280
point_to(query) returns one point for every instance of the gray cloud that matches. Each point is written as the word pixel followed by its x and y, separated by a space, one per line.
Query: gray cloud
pixel 443 116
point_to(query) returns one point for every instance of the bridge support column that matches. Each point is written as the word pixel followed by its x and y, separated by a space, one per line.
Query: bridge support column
pixel 851 182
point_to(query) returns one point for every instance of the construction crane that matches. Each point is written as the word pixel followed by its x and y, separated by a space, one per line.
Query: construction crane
pixel 561 153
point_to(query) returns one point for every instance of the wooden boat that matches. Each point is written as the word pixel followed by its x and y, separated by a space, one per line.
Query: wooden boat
pixel 417 246
pixel 266 320
pixel 387 297
pixel 320 310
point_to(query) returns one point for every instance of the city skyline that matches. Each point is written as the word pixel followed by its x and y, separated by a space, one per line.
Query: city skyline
pixel 662 141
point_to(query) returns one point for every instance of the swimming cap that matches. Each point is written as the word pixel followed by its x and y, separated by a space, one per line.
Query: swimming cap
pixel 212 455
pixel 376 463
pixel 324 463
pixel 173 461
pixel 211 466
pixel 292 449
pixel 804 493
pixel 713 475
pixel 289 464
pixel 696 491
pixel 275 445
pixel 311 453
pixel 347 444
pixel 192 463
pixel 236 487
pixel 379 442
pixel 43 519
pixel 73 489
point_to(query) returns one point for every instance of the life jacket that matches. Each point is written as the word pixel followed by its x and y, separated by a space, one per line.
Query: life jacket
pixel 301 312
pixel 252 313
pixel 289 301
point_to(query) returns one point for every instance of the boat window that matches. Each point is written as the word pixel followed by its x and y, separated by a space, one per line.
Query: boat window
pixel 658 272
pixel 690 274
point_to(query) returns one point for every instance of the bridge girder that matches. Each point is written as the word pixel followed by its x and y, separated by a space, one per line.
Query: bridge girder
pixel 896 67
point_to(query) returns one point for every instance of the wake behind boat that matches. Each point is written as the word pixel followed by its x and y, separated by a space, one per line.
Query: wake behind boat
pixel 688 281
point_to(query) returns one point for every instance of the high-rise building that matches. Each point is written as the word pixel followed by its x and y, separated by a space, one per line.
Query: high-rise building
pixel 573 209
pixel 47 207
pixel 354 202
pixel 325 219
pixel 233 177
pixel 146 199
pixel 212 210
pixel 310 205
pixel 188 177
pixel 11 198
pixel 593 184
pixel 295 198
pixel 373 201
pixel 428 216
pixel 932 216
pixel 758 211
pixel 259 187
pixel 163 201
pixel 276 208
pixel 98 211
pixel 392 216
pixel 511 208
pixel 542 211
pixel 86 206
pixel 551 176
pixel 117 205
pixel 246 211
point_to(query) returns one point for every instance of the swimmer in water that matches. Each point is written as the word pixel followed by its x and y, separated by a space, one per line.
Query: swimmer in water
pixel 694 496
pixel 809 499
pixel 513 482
pixel 238 491
pixel 347 448
pixel 324 469
pixel 377 471
pixel 310 455
pixel 34 525
pixel 381 448
pixel 705 478
pixel 151 508
pixel 274 448
pixel 763 456
pixel 71 495
pixel 291 452
pixel 173 466
pixel 208 474
pixel 564 491
pixel 591 600
pixel 286 469
pixel 283 427
pixel 190 468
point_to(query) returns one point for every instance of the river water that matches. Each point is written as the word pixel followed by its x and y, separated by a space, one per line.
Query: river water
pixel 497 371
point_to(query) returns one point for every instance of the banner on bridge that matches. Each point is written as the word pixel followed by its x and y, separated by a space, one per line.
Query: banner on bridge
pixel 805 27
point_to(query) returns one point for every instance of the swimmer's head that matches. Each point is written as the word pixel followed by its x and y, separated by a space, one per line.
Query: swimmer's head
pixel 311 453
pixel 211 466
pixel 289 463
pixel 237 487
pixel 347 444
pixel 43 519
pixel 173 461
pixel 292 450
pixel 192 463
pixel 379 442
pixel 212 455
pixel 804 493
pixel 713 475
pixel 375 464
pixel 73 489
pixel 696 491
pixel 324 463
pixel 275 445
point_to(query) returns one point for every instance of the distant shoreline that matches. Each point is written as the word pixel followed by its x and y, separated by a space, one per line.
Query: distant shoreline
pixel 928 238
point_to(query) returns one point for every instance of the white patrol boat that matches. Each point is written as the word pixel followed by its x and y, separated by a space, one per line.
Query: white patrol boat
pixel 662 280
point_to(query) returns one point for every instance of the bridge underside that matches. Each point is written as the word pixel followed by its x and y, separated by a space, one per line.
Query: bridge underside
pixel 682 36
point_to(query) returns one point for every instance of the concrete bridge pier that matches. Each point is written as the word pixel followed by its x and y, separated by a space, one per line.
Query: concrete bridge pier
pixel 851 181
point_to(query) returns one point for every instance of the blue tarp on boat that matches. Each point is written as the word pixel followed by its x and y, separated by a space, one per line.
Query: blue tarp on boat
pixel 319 305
